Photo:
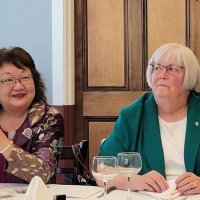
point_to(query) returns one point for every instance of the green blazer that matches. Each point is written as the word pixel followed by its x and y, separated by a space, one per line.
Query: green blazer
pixel 137 129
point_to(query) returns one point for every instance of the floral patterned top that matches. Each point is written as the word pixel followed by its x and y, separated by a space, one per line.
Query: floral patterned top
pixel 36 146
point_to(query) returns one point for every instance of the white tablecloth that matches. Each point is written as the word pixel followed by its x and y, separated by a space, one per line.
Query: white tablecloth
pixel 79 192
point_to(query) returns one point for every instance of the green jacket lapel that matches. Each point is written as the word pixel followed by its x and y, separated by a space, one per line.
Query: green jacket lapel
pixel 192 140
pixel 152 139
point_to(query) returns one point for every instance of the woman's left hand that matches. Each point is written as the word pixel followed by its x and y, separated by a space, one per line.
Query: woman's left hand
pixel 188 183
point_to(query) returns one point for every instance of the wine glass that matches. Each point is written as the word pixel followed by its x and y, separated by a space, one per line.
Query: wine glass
pixel 104 168
pixel 129 163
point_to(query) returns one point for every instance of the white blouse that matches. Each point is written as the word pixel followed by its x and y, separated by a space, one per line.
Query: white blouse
pixel 173 139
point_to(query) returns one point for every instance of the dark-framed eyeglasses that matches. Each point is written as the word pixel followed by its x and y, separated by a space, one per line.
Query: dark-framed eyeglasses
pixel 11 81
pixel 170 69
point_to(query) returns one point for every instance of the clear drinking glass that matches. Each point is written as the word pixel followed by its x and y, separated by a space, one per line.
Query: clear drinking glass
pixel 129 163
pixel 104 168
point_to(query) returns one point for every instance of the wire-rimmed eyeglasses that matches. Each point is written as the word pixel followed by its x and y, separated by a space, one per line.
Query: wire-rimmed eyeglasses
pixel 170 69
pixel 11 81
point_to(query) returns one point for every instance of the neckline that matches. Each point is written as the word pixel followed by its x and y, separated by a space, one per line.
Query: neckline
pixel 171 123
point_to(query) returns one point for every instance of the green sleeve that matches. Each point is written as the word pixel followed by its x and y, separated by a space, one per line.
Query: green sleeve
pixel 119 139
pixel 127 134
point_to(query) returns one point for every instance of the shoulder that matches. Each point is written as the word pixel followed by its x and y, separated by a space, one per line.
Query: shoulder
pixel 39 111
pixel 43 108
pixel 194 94
pixel 51 109
pixel 194 99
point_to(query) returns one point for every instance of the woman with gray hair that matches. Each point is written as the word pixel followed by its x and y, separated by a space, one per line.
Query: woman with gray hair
pixel 163 125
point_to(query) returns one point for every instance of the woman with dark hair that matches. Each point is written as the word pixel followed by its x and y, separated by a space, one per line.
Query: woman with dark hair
pixel 30 129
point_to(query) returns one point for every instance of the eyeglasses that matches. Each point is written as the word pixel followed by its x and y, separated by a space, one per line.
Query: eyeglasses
pixel 11 81
pixel 171 69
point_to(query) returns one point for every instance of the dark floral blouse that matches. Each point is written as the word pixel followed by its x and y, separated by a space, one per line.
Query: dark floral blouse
pixel 36 146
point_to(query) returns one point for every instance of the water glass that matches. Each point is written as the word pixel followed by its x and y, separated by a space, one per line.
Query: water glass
pixel 104 168
pixel 129 163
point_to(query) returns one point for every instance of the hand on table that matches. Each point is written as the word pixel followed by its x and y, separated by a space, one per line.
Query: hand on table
pixel 151 181
pixel 188 183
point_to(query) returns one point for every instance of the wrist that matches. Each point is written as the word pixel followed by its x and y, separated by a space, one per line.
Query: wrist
pixel 6 147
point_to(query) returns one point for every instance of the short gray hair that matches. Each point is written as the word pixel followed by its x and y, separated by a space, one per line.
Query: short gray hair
pixel 185 57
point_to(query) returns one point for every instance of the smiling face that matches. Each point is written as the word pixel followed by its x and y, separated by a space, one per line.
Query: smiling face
pixel 18 96
pixel 165 84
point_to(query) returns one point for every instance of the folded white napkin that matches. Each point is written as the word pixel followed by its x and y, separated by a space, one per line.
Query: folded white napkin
pixel 6 193
pixel 194 197
pixel 37 190
pixel 169 194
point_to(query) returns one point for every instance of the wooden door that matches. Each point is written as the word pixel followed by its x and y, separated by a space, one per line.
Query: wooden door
pixel 113 41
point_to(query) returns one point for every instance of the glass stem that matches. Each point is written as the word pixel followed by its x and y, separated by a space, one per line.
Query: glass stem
pixel 105 188
pixel 129 188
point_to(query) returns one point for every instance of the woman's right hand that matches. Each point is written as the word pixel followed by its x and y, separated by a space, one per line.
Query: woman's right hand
pixel 151 181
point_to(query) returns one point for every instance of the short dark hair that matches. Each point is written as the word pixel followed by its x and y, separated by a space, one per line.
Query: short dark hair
pixel 22 60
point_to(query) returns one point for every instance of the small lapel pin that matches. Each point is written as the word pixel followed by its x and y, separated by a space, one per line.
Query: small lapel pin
pixel 197 123
pixel 27 133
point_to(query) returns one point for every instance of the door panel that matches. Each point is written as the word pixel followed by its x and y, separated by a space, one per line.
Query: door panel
pixel 158 33
pixel 107 103
pixel 97 132
pixel 105 40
